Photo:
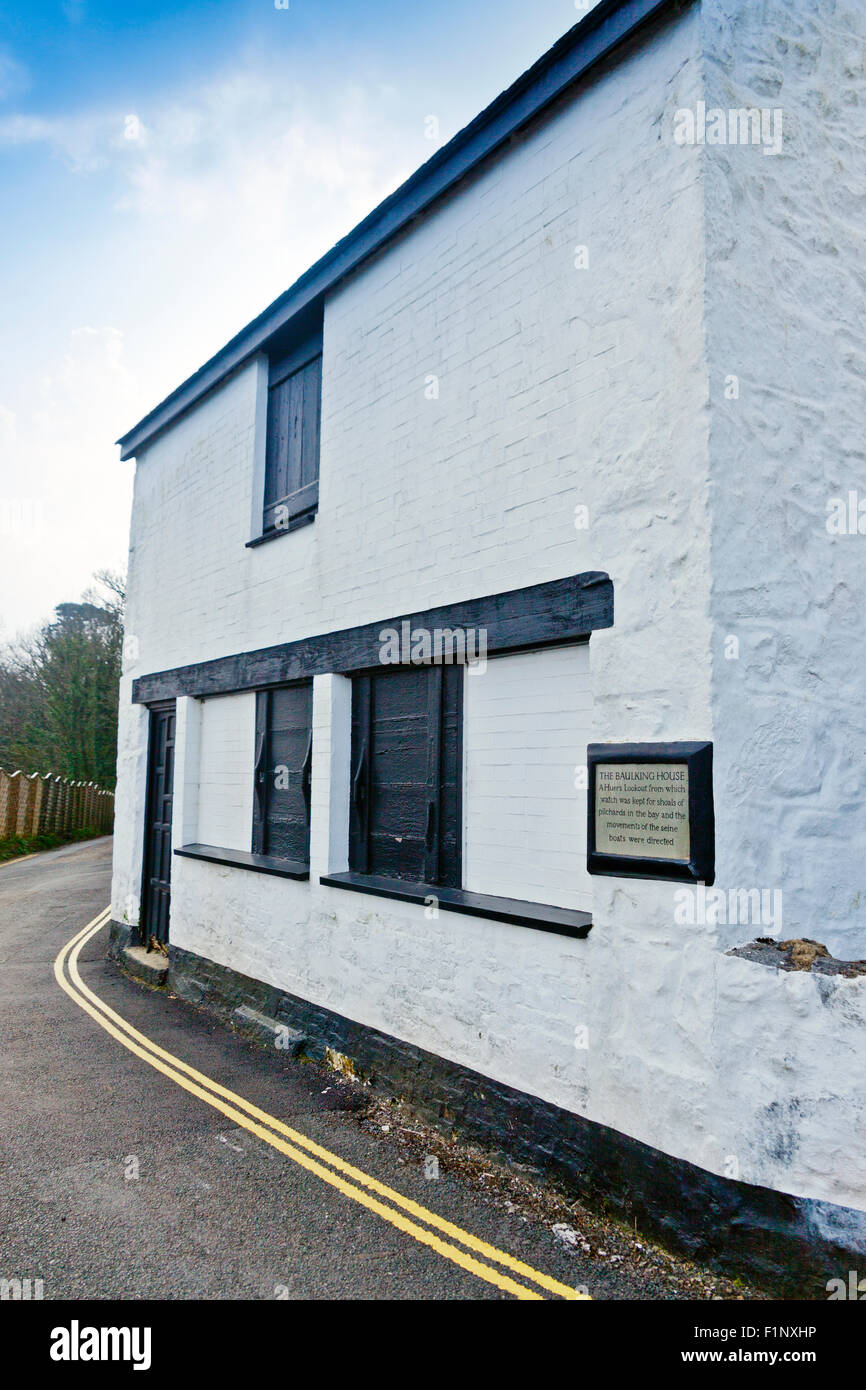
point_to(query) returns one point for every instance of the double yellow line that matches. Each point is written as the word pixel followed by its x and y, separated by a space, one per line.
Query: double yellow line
pixel 385 1202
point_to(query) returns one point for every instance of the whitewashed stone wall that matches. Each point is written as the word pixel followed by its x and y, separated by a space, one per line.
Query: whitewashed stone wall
pixel 477 388
pixel 527 721
pixel 785 312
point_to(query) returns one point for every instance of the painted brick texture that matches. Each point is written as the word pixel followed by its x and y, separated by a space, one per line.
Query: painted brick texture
pixel 225 774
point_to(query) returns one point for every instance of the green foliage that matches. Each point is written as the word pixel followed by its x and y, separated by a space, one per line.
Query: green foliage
pixel 30 844
pixel 59 690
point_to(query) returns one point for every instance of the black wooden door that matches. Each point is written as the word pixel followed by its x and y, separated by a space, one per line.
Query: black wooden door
pixel 157 829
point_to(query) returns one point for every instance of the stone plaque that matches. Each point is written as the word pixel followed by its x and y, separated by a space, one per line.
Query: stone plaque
pixel 650 810
pixel 642 810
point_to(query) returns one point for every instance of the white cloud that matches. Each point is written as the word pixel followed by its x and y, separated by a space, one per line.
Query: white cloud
pixel 74 139
pixel 219 201
pixel 224 139
pixel 7 429
pixel 64 497
pixel 247 161
pixel 14 77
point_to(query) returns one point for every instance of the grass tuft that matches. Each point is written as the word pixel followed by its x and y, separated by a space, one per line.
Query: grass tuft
pixel 18 845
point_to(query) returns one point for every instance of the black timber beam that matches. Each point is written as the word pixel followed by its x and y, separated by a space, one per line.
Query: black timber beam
pixel 561 610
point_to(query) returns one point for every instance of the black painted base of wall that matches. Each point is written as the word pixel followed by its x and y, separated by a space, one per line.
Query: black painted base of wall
pixel 789 1245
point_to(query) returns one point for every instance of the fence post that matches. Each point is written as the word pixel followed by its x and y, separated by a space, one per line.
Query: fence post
pixel 34 796
pixel 4 803
pixel 49 804
pixel 14 803
pixel 57 809
pixel 41 804
pixel 23 790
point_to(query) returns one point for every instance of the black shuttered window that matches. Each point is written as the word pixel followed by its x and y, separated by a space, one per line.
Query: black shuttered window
pixel 292 450
pixel 284 750
pixel 407 774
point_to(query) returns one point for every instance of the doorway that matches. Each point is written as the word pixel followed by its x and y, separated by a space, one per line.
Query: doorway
pixel 156 878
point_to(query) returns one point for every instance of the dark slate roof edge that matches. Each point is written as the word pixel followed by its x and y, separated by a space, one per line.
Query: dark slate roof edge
pixel 584 45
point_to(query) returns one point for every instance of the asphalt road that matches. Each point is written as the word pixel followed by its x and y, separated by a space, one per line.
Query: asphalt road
pixel 115 1182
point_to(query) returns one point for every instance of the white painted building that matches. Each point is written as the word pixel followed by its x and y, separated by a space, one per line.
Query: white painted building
pixel 588 384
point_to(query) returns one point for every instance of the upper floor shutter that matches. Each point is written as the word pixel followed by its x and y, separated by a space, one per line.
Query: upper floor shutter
pixel 292 450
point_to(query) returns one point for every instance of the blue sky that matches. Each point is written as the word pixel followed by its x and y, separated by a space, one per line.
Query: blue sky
pixel 166 170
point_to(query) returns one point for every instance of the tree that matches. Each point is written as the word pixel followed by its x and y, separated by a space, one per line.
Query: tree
pixel 59 689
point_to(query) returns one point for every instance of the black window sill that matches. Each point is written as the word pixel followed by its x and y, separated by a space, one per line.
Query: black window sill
pixel 565 921
pixel 241 859
pixel 295 524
